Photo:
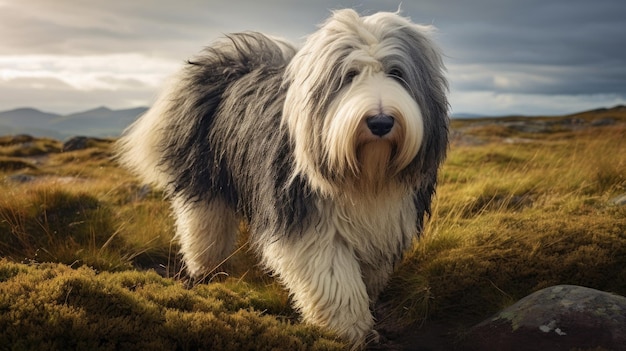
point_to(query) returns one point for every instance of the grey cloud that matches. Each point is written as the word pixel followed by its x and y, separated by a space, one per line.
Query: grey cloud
pixel 554 47
pixel 540 79
pixel 31 84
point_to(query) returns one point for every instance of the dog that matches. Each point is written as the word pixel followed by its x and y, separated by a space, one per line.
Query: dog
pixel 329 153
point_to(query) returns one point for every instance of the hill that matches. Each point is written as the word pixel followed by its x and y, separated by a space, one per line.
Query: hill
pixel 26 117
pixel 27 121
pixel 99 122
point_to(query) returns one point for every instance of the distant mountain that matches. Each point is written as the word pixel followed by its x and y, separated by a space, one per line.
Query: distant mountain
pixel 105 122
pixel 99 122
pixel 26 117
pixel 602 110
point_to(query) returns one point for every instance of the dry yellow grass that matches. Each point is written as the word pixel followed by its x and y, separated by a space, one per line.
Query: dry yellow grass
pixel 512 218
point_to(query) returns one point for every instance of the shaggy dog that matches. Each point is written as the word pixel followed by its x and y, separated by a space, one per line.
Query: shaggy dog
pixel 330 154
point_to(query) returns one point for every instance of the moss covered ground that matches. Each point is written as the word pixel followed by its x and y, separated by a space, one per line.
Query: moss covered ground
pixel 88 261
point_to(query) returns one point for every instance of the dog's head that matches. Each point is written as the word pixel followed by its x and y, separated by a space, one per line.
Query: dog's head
pixel 366 103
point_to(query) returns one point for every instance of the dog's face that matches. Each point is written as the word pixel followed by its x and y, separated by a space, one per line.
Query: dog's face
pixel 364 93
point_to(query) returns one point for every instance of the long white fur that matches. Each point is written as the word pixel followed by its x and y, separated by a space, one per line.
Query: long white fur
pixel 200 229
pixel 336 268
pixel 138 149
pixel 372 93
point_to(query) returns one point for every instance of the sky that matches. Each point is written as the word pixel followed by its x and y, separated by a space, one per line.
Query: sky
pixel 502 56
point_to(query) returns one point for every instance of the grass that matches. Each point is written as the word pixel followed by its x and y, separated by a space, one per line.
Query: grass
pixel 22 146
pixel 515 212
pixel 54 307
pixel 59 226
pixel 511 219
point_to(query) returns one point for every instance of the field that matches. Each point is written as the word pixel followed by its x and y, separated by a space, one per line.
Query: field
pixel 88 261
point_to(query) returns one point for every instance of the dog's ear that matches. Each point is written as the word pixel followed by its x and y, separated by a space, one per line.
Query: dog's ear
pixel 426 71
pixel 422 199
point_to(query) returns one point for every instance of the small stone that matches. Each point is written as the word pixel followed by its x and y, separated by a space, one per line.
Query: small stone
pixel 20 178
pixel 75 143
pixel 619 200
pixel 80 143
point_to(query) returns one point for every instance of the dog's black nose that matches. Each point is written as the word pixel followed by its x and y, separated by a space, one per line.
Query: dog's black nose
pixel 380 124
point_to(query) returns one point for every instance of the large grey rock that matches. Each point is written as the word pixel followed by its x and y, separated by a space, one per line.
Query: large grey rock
pixel 80 143
pixel 562 317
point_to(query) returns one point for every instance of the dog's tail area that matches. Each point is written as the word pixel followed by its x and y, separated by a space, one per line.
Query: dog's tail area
pixel 170 145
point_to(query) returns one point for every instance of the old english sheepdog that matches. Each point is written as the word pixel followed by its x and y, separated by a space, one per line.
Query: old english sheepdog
pixel 329 153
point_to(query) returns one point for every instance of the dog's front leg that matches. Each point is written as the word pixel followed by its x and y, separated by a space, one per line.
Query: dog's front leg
pixel 323 275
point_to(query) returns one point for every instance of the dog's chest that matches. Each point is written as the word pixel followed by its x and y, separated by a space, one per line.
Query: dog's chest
pixel 372 227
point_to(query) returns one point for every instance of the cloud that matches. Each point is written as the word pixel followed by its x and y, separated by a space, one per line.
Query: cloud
pixel 528 49
pixel 164 28
pixel 66 84
pixel 88 72
pixel 539 79
pixel 52 95
pixel 505 52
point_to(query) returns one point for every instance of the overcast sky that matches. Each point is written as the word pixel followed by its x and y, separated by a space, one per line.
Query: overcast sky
pixel 503 56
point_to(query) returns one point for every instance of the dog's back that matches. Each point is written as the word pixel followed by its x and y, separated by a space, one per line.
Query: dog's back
pixel 211 135
pixel 169 145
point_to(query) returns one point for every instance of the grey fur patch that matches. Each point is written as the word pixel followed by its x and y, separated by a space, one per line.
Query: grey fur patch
pixel 224 137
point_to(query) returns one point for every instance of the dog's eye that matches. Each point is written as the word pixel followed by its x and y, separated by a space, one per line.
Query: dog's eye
pixel 350 76
pixel 396 74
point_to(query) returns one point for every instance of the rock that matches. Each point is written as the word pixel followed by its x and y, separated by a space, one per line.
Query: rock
pixel 143 192
pixel 517 140
pixel 566 122
pixel 602 122
pixel 16 139
pixel 562 317
pixel 81 143
pixel 75 143
pixel 619 200
pixel 20 178
pixel 529 127
pixel 459 138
